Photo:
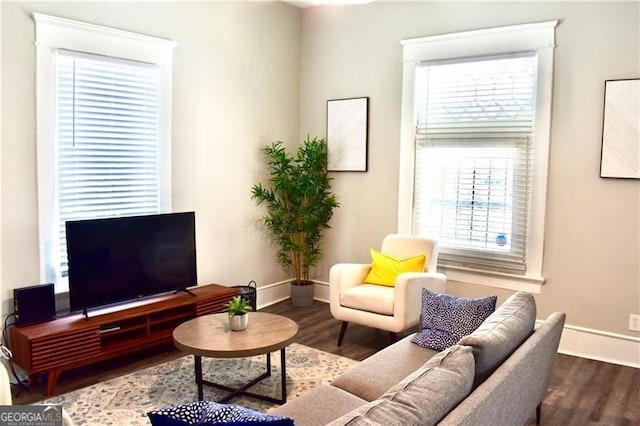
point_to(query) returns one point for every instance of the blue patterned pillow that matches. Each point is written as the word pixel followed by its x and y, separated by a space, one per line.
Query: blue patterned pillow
pixel 446 319
pixel 209 413
pixel 235 415
pixel 181 415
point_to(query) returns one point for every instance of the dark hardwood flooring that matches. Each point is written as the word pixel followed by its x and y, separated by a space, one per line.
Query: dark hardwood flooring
pixel 581 392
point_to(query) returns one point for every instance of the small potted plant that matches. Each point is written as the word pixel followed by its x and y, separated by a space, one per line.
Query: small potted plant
pixel 237 308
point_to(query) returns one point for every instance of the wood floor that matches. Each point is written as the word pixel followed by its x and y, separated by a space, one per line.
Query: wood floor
pixel 582 392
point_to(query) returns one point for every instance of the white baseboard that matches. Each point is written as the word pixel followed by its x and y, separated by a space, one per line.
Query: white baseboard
pixel 272 293
pixel 600 345
pixel 575 341
pixel 277 292
pixel 322 292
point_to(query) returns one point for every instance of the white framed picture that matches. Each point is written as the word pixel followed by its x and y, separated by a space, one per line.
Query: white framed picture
pixel 347 133
pixel 621 129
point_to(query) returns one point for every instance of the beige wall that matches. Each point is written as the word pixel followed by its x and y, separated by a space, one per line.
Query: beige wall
pixel 592 234
pixel 248 73
pixel 236 70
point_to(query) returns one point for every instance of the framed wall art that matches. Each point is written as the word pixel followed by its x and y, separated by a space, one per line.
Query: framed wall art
pixel 347 134
pixel 621 130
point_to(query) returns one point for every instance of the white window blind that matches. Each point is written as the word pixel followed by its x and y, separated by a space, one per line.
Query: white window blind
pixel 108 150
pixel 473 160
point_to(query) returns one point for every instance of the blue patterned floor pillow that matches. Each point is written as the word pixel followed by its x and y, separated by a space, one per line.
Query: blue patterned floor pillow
pixel 446 319
pixel 209 413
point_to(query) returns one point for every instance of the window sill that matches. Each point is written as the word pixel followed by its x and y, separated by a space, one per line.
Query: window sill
pixel 529 283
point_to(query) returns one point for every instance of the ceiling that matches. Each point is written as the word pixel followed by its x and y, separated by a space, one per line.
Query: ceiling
pixel 309 3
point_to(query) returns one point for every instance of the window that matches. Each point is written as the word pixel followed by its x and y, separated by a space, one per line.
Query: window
pixel 472 172
pixel 107 139
pixel 475 136
pixel 104 105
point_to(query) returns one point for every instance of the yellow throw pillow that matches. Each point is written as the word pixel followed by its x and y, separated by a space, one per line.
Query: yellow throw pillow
pixel 385 269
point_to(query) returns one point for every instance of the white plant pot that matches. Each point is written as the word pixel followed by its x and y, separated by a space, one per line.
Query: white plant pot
pixel 238 322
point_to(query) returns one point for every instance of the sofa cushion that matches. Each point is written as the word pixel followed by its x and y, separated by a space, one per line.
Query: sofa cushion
pixel 375 375
pixel 501 333
pixel 369 297
pixel 445 318
pixel 319 406
pixel 422 398
pixel 212 413
pixel 385 268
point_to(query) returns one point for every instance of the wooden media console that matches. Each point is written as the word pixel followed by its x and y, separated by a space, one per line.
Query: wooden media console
pixel 74 340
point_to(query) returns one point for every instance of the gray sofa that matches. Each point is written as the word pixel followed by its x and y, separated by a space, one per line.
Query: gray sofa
pixel 498 375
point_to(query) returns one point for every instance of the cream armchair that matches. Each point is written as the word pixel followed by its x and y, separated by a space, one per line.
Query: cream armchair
pixel 393 309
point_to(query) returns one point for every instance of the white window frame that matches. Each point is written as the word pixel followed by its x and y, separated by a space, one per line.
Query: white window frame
pixel 537 37
pixel 54 33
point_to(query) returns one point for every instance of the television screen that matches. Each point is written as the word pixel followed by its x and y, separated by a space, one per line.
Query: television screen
pixel 118 259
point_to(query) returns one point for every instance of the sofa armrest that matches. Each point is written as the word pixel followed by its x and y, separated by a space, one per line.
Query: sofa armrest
pixel 511 394
pixel 408 293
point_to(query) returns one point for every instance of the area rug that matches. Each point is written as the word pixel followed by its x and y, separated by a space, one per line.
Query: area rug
pixel 127 399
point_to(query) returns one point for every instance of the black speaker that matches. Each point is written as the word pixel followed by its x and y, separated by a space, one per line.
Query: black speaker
pixel 34 304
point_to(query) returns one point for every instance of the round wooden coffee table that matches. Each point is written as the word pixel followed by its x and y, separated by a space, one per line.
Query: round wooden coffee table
pixel 210 336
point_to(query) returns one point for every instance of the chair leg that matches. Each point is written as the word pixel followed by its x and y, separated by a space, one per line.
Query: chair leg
pixel 539 413
pixel 343 330
pixel 393 337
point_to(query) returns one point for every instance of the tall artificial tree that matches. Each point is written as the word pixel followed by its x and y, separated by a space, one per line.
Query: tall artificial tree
pixel 299 203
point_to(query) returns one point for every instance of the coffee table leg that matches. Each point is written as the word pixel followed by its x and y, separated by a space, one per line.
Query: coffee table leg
pixel 268 363
pixel 283 377
pixel 243 389
pixel 197 362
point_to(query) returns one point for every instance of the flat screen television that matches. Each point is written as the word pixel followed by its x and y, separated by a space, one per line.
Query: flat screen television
pixel 119 259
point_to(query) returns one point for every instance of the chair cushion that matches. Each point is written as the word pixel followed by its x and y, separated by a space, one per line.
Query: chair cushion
pixel 445 319
pixel 369 297
pixel 212 413
pixel 422 398
pixel 501 333
pixel 385 268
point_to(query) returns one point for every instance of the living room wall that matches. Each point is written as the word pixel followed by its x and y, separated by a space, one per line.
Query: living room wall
pixel 246 74
pixel 592 232
pixel 235 89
